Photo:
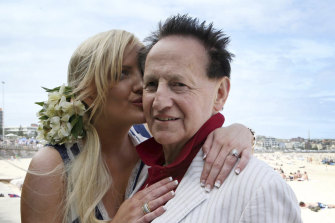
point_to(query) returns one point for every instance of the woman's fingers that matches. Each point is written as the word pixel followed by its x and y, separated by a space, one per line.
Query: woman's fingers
pixel 243 161
pixel 152 215
pixel 218 147
pixel 157 189
pixel 210 158
pixel 154 196
pixel 224 170
pixel 208 144
pixel 156 192
pixel 221 167
pixel 229 164
pixel 160 201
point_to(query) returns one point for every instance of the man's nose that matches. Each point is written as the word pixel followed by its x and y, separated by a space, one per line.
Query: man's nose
pixel 162 99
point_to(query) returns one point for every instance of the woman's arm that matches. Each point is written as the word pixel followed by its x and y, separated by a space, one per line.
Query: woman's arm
pixel 43 188
pixel 219 161
pixel 43 194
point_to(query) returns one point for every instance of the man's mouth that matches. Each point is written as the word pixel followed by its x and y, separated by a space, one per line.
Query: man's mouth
pixel 166 119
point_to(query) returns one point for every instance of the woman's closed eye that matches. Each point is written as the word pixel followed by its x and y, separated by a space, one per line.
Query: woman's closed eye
pixel 124 74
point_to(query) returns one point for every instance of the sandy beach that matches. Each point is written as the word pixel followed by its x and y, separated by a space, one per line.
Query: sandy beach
pixel 11 171
pixel 319 187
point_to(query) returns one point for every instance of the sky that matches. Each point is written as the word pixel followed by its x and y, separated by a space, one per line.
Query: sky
pixel 283 72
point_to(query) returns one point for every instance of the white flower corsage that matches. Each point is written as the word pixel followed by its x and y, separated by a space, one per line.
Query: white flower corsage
pixel 61 117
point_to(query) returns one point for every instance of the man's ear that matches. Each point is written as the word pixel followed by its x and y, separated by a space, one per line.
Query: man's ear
pixel 222 94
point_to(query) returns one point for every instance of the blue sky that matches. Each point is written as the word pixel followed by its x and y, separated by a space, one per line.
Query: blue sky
pixel 283 73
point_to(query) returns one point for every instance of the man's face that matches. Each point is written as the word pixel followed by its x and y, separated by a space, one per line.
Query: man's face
pixel 178 97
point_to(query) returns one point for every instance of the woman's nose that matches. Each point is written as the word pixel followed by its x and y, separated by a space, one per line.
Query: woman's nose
pixel 138 85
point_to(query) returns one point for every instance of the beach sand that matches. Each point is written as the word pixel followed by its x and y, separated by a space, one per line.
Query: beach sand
pixel 12 171
pixel 320 187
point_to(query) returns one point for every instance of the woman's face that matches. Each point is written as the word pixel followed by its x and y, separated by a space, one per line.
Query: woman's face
pixel 124 100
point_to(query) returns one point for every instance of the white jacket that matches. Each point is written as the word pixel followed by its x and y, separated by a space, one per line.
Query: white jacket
pixel 257 195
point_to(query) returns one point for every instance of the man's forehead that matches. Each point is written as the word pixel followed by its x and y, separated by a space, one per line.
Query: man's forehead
pixel 177 42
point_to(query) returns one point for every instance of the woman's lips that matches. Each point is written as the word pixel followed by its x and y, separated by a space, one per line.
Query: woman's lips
pixel 137 102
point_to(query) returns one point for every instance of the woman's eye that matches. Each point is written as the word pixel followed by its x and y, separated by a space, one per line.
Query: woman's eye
pixel 124 74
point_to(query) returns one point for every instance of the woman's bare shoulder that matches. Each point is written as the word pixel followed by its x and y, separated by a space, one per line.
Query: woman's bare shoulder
pixel 46 158
pixel 43 188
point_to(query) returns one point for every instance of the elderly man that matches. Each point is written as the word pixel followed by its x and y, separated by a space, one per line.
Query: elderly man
pixel 186 84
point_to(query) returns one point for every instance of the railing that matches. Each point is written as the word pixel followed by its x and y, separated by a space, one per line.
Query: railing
pixel 19 147
pixel 15 150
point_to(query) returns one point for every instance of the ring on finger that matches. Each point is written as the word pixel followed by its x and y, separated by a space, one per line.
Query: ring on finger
pixel 235 153
pixel 146 208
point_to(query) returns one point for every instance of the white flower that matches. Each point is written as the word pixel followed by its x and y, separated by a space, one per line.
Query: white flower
pixel 51 111
pixel 79 107
pixel 69 126
pixel 53 98
pixel 50 136
pixel 67 107
pixel 55 126
pixel 41 133
pixel 55 120
pixel 65 118
pixel 61 89
pixel 64 131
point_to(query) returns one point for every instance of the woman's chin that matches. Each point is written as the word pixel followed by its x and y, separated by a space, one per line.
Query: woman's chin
pixel 140 119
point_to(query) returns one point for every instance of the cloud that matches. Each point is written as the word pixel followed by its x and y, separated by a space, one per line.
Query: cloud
pixel 282 76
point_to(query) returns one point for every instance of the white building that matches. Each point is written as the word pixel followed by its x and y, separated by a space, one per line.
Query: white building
pixel 29 131
pixel 270 142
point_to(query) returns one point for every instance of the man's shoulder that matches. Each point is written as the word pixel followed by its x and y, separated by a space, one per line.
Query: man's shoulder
pixel 256 174
pixel 260 169
pixel 257 164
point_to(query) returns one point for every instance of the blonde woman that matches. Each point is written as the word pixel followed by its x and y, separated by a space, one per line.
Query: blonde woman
pixel 91 180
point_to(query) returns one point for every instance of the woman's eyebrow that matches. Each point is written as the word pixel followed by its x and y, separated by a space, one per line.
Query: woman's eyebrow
pixel 126 67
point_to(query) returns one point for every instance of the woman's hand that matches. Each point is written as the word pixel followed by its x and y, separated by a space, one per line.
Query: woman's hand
pixel 219 160
pixel 154 196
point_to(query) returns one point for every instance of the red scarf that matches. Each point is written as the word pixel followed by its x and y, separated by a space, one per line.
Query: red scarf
pixel 152 154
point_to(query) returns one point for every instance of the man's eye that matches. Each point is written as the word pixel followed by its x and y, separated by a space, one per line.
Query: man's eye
pixel 178 84
pixel 150 86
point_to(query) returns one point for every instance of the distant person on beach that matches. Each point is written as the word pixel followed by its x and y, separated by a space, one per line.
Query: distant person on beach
pixel 282 174
pixel 186 84
pixel 315 206
pixel 299 175
pixel 305 176
pixel 291 176
pixel 90 167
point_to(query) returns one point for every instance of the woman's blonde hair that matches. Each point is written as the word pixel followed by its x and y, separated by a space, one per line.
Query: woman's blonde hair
pixel 94 68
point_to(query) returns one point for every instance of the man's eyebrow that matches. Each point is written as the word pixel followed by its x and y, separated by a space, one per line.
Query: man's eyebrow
pixel 149 77
pixel 182 78
pixel 176 77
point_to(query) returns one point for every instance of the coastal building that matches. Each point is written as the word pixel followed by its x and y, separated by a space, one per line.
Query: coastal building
pixel 28 131
pixel 270 142
pixel 1 123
